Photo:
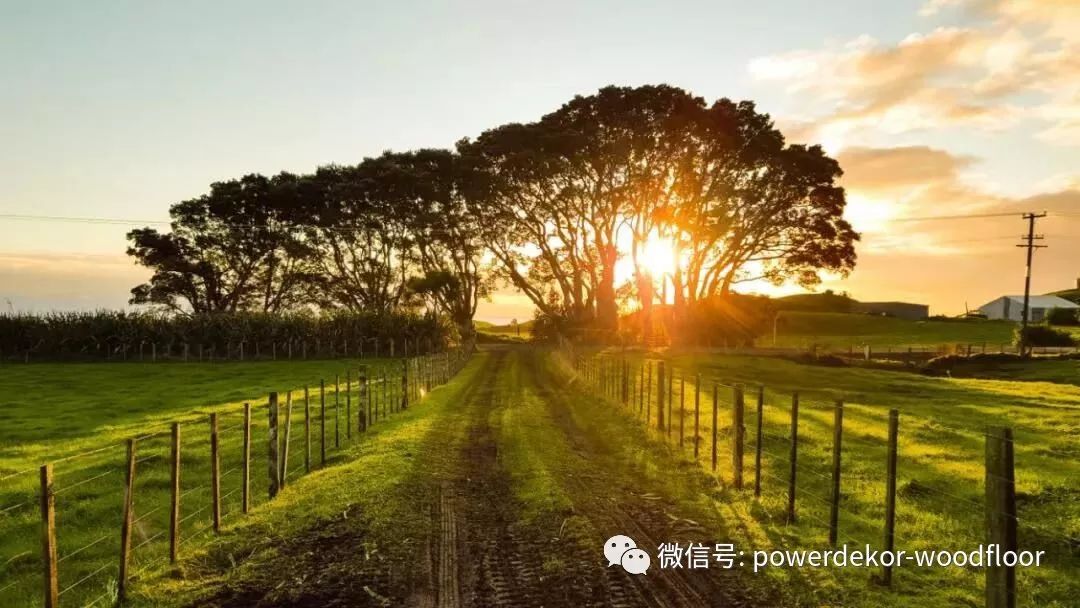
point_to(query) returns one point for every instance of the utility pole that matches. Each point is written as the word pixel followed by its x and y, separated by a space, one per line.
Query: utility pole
pixel 1029 243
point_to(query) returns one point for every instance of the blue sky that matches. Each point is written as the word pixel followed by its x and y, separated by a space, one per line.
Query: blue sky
pixel 118 109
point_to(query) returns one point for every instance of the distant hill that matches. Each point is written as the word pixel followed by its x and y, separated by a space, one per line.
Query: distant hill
pixel 826 301
pixel 491 328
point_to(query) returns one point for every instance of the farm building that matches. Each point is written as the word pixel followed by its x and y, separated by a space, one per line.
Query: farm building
pixel 901 310
pixel 1012 307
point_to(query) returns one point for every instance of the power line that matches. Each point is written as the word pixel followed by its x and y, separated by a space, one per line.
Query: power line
pixel 134 222
pixel 83 220
pixel 966 216
pixel 250 226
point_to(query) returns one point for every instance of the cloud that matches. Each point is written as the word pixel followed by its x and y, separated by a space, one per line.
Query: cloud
pixel 887 169
pixel 891 192
pixel 1014 61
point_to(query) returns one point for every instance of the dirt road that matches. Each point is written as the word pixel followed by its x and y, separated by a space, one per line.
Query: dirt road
pixel 524 480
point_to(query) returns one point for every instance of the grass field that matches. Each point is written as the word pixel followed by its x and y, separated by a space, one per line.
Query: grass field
pixel 841 330
pixel 79 415
pixel 535 469
pixel 523 330
pixel 943 422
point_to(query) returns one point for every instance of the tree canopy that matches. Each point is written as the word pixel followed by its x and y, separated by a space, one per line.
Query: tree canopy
pixel 559 209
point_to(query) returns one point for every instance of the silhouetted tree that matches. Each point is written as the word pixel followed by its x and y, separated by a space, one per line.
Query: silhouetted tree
pixel 234 248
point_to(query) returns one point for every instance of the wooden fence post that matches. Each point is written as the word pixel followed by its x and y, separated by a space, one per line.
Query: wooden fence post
pixel 670 399
pixel 1000 515
pixel 738 436
pixel 307 431
pixel 215 473
pixel 368 400
pixel 834 507
pixel 793 457
pixel 404 383
pixel 715 421
pixel 322 422
pixel 245 467
pixel 125 524
pixel 337 417
pixel 286 438
pixel 624 384
pixel 174 511
pixel 660 380
pixel 697 413
pixel 361 408
pixel 48 538
pixel 757 441
pixel 348 403
pixel 273 464
pixel 648 395
pixel 682 409
pixel 890 493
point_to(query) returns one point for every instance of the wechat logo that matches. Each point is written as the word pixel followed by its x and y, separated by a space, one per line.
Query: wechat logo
pixel 622 550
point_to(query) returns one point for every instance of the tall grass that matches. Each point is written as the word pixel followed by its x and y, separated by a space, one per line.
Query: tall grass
pixel 123 335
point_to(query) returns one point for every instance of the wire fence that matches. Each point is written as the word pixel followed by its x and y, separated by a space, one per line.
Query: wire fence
pixel 251 349
pixel 818 470
pixel 88 526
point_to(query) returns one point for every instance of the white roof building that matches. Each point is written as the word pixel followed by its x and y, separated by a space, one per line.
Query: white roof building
pixel 1012 307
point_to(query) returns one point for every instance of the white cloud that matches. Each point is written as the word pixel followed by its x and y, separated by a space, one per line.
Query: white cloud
pixel 1019 60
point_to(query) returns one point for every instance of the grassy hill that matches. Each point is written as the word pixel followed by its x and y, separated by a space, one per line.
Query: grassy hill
pixel 816 302
pixel 487 327
pixel 839 330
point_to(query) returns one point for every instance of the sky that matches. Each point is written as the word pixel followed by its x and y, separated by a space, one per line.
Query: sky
pixel 933 107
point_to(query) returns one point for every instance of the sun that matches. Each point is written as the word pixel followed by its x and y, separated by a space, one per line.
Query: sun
pixel 658 256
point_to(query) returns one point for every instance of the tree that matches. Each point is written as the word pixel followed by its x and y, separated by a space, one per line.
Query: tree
pixel 231 249
pixel 527 220
pixel 718 181
pixel 362 246
pixel 432 190
pixel 748 207
pixel 570 183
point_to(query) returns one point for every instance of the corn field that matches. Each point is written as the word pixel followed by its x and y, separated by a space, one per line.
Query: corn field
pixel 122 335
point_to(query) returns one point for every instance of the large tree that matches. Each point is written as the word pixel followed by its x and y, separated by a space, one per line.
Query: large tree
pixel 235 248
pixel 569 183
pixel 718 182
pixel 362 244
pixel 749 207
pixel 432 191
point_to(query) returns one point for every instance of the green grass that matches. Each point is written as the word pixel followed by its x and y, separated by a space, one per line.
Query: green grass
pixel 379 482
pixel 940 503
pixel 79 415
pixel 841 330
pixel 1059 371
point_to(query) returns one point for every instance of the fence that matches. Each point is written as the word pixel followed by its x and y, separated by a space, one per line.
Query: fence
pixel 109 516
pixel 840 479
pixel 239 350
pixel 908 354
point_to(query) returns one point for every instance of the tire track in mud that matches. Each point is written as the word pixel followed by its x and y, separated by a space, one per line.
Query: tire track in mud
pixel 492 562
pixel 646 521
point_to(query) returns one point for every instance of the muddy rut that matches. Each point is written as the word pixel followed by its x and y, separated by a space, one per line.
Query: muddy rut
pixel 480 551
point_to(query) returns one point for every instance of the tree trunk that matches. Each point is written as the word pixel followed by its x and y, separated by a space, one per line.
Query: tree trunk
pixel 607 311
